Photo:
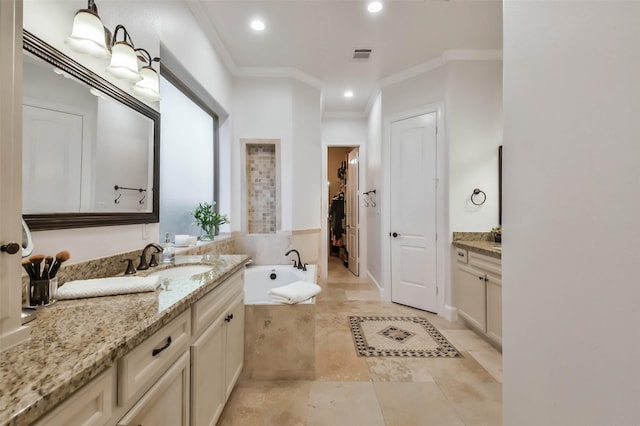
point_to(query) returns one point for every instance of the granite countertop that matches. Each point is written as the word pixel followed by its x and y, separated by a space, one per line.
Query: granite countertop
pixel 488 248
pixel 73 341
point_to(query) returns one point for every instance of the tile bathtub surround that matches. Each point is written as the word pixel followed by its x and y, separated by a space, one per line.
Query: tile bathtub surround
pixel 73 341
pixel 261 188
pixel 280 342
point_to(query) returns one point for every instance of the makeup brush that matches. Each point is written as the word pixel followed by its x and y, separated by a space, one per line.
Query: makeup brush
pixel 36 260
pixel 45 272
pixel 48 261
pixel 61 257
pixel 28 266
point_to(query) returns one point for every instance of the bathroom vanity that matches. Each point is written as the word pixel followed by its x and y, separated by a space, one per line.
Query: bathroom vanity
pixel 478 287
pixel 165 357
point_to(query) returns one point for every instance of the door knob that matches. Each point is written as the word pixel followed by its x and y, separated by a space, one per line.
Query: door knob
pixel 10 248
pixel 395 235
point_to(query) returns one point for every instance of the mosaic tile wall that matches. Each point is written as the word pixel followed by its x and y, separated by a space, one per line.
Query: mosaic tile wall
pixel 261 188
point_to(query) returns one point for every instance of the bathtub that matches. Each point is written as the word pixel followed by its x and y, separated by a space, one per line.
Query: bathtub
pixel 271 326
pixel 258 281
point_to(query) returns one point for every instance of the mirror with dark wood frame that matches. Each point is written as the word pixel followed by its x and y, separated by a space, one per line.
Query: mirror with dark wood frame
pixel 115 180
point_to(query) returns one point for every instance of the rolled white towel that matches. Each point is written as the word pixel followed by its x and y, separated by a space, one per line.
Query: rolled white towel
pixel 296 292
pixel 107 287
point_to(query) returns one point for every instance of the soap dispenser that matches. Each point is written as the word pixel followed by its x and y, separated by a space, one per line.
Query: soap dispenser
pixel 168 250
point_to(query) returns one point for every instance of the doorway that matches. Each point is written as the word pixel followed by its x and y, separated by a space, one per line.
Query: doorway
pixel 413 212
pixel 343 206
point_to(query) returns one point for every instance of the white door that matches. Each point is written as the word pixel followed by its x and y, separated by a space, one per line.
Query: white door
pixel 52 158
pixel 11 330
pixel 352 211
pixel 413 212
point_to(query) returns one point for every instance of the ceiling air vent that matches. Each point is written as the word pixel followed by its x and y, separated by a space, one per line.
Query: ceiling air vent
pixel 361 55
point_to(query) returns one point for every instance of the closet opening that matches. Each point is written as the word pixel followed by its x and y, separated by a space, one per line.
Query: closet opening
pixel 343 226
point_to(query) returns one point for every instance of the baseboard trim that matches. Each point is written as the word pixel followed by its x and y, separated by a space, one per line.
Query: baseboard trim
pixel 450 313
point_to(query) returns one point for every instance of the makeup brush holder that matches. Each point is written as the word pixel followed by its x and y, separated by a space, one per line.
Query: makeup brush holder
pixel 42 292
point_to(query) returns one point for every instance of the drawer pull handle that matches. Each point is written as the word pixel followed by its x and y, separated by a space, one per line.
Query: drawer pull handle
pixel 461 254
pixel 157 351
pixel 229 318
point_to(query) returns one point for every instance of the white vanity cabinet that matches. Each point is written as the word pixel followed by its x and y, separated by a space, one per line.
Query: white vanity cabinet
pixel 479 293
pixel 181 375
pixel 167 402
pixel 92 404
pixel 151 369
pixel 217 354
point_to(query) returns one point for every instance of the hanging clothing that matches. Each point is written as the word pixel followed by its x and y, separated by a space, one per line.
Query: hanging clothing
pixel 337 215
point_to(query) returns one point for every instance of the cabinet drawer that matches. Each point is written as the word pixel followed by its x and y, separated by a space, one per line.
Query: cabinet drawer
pixel 167 402
pixel 489 264
pixel 211 306
pixel 91 405
pixel 461 255
pixel 143 365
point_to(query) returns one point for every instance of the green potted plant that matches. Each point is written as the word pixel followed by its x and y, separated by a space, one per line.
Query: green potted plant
pixel 208 220
pixel 497 234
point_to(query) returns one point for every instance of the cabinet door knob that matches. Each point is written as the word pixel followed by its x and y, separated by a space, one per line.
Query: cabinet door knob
pixel 481 278
pixel 157 351
pixel 10 248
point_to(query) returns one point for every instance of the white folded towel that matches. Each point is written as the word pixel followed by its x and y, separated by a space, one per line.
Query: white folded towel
pixel 296 292
pixel 107 287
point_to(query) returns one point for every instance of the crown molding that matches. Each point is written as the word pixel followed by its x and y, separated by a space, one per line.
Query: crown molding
pixel 200 15
pixel 345 114
pixel 446 57
pixel 279 72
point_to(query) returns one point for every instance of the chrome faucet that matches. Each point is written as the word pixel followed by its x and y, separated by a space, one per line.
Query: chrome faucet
pixel 143 257
pixel 299 264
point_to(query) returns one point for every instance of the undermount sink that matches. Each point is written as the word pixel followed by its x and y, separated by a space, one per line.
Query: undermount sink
pixel 185 271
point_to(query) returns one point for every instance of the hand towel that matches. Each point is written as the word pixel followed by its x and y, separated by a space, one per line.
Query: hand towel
pixel 296 292
pixel 107 287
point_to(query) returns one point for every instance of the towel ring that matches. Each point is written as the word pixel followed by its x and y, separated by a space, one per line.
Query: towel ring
pixel 475 194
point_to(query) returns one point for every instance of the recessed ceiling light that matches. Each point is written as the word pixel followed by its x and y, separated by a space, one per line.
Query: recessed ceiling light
pixel 257 25
pixel 348 94
pixel 374 6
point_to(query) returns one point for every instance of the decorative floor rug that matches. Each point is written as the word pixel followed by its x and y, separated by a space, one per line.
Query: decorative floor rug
pixel 399 336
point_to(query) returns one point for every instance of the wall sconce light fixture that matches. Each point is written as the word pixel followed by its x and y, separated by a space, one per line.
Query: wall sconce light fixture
pixel 124 62
pixel 88 35
pixel 149 87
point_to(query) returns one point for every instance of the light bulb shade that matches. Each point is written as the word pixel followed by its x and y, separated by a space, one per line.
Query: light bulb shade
pixel 124 63
pixel 149 87
pixel 88 35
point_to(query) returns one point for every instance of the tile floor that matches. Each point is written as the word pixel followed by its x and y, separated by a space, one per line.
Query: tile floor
pixel 351 390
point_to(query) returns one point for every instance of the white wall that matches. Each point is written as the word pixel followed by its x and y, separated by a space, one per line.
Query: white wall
pixel 263 111
pixel 307 157
pixel 341 131
pixel 374 181
pixel 149 24
pixel 349 132
pixel 287 110
pixel 570 260
pixel 474 128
